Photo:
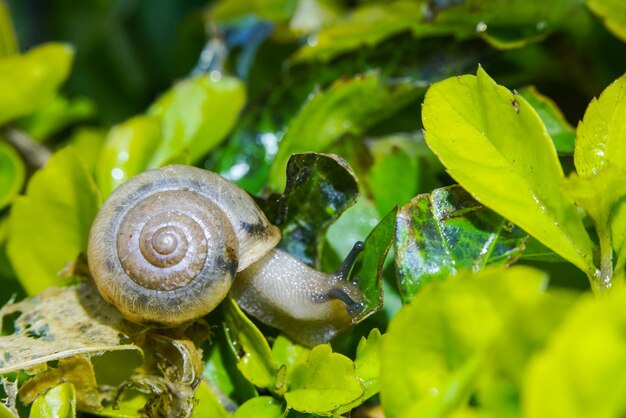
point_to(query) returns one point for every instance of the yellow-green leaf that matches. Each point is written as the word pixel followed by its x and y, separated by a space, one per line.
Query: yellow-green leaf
pixel 8 39
pixel 260 407
pixel 196 115
pixel 208 405
pixel 29 81
pixel 612 13
pixel 494 144
pixel 582 371
pixel 59 402
pixel 255 359
pixel 11 174
pixel 600 135
pixel 559 129
pixel 50 223
pixel 127 151
pixel 324 383
pixel 346 107
pixel 437 346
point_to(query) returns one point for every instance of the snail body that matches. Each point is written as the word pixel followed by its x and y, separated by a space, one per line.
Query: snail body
pixel 167 246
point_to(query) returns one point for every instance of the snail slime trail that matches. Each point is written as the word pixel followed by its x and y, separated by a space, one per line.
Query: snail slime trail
pixel 167 246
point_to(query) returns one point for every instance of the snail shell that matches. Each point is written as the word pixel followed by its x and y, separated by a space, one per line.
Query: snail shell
pixel 166 245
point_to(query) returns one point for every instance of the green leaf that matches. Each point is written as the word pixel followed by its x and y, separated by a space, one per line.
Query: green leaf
pixel 527 330
pixel 319 189
pixel 8 39
pixel 286 352
pixel 559 129
pixel 57 115
pixel 494 144
pixel 31 80
pixel 207 403
pixel 437 346
pixel 598 195
pixel 88 143
pixel 221 371
pixel 365 26
pixel 59 402
pixel 396 161
pixel 50 223
pixel 249 345
pixel 127 151
pixel 613 15
pixel 12 173
pixel 589 347
pixel 5 412
pixel 346 107
pixel 504 24
pixel 274 10
pixel 324 383
pixel 599 136
pixel 440 233
pixel 261 407
pixel 292 413
pixel 370 263
pixel 196 114
pixel 354 225
pixel 367 367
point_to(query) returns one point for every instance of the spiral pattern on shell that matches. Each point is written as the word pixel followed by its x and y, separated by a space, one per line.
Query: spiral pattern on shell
pixel 166 245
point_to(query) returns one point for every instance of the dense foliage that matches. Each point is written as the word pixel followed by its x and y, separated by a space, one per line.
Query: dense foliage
pixel 485 175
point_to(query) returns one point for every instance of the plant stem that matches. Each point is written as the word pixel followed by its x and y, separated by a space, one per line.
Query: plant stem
pixel 601 282
pixel 35 154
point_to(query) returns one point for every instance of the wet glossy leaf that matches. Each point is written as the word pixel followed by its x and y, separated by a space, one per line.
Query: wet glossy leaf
pixel 559 129
pixel 320 187
pixel 370 263
pixel 50 223
pixel 31 80
pixel 613 15
pixel 261 407
pixel 589 347
pixel 504 24
pixel 11 174
pixel 367 25
pixel 495 145
pixel 249 345
pixel 441 233
pixel 347 107
pixel 445 334
pixel 324 383
pixel 221 372
pixel 59 402
pixel 598 195
pixel 127 151
pixel 599 136
pixel 196 115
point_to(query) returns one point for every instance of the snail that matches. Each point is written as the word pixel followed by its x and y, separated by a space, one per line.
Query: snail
pixel 168 246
